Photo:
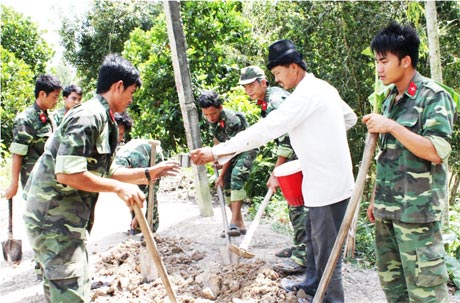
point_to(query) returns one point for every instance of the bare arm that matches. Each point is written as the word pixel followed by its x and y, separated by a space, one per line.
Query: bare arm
pixel 272 182
pixel 415 143
pixel 137 175
pixel 89 182
pixel 16 164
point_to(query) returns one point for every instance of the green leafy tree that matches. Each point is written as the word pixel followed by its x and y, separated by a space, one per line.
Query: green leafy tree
pixel 104 30
pixel 21 37
pixel 218 40
pixel 16 94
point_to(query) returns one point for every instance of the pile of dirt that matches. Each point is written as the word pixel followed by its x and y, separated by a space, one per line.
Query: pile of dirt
pixel 119 275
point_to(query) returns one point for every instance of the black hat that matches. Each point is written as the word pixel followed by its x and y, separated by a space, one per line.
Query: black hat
pixel 283 52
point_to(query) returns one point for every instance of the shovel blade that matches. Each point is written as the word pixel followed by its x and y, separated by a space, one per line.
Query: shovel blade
pixel 241 252
pixel 12 251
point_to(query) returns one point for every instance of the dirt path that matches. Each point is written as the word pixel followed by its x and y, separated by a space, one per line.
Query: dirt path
pixel 190 249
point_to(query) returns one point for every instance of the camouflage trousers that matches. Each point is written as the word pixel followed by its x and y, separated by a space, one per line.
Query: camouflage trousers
pixel 297 215
pixel 64 260
pixel 156 217
pixel 237 175
pixel 410 261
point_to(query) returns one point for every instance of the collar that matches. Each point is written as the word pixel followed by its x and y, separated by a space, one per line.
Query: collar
pixel 414 86
pixel 106 106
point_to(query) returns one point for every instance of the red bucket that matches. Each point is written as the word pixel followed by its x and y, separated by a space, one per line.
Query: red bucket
pixel 290 177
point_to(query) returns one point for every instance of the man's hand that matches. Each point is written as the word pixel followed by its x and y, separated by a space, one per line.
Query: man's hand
pixel 378 124
pixel 11 191
pixel 370 212
pixel 272 183
pixel 165 168
pixel 201 156
pixel 130 194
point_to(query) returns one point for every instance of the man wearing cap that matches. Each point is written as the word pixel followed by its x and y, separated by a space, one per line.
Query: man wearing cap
pixel 316 119
pixel 269 98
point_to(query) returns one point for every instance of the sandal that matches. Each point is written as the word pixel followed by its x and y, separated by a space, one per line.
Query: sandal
pixel 285 253
pixel 289 267
pixel 233 231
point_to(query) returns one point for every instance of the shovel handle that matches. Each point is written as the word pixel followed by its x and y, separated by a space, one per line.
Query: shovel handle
pixel 10 218
pixel 152 247
pixel 252 228
pixel 220 193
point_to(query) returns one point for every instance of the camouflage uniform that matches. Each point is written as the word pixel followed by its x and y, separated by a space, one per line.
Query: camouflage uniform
pixel 136 154
pixel 58 216
pixel 230 123
pixel 59 115
pixel 409 194
pixel 274 96
pixel 31 129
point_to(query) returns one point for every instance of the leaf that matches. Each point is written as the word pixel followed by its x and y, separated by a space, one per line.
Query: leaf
pixel 455 96
pixel 453 268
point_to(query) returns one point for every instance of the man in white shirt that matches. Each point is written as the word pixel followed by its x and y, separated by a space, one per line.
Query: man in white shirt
pixel 316 119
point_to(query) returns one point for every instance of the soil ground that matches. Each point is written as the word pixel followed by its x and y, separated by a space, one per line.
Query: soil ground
pixel 190 248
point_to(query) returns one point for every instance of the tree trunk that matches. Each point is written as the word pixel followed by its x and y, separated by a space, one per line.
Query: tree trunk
pixel 188 108
pixel 435 67
pixel 433 40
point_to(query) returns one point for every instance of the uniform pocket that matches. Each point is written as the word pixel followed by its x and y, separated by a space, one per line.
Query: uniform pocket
pixel 431 269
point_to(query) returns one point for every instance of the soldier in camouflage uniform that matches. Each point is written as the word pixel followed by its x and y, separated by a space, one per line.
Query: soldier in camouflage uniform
pixel 224 124
pixel 415 130
pixel 133 154
pixel 31 129
pixel 269 98
pixel 72 95
pixel 63 187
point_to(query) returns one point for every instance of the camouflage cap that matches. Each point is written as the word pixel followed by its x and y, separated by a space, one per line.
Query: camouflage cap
pixel 250 74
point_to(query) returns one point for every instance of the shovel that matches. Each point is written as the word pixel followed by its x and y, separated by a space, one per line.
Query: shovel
pixel 242 251
pixel 226 254
pixel 153 249
pixel 12 249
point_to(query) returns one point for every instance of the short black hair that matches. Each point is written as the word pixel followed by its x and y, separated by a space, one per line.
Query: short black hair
pixel 210 98
pixel 72 89
pixel 400 40
pixel 116 68
pixel 47 83
pixel 125 120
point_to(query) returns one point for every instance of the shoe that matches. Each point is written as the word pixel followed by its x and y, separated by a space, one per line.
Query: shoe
pixel 289 267
pixel 233 231
pixel 285 253
pixel 294 286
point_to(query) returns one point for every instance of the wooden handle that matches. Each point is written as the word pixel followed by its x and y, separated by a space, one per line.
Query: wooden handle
pixel 10 218
pixel 152 247
pixel 369 149
pixel 248 237
pixel 150 198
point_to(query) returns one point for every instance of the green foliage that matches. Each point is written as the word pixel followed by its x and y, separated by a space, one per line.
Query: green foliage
pixel 16 94
pixel 21 37
pixel 217 39
pixel 453 268
pixel 104 30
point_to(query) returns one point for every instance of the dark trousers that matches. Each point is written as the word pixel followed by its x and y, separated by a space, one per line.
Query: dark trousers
pixel 322 227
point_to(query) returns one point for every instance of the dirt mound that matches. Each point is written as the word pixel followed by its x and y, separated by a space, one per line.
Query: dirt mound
pixel 119 276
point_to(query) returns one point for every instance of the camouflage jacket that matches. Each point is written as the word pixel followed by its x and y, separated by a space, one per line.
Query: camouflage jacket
pixel 135 154
pixel 408 188
pixel 230 123
pixel 274 96
pixel 59 115
pixel 85 141
pixel 31 129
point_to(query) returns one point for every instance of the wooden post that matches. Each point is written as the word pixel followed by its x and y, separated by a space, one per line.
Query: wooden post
pixel 188 108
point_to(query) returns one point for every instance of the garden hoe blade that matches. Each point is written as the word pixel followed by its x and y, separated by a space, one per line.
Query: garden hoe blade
pixel 12 249
pixel 242 251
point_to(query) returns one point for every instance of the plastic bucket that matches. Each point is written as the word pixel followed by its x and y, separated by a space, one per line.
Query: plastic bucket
pixel 290 177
